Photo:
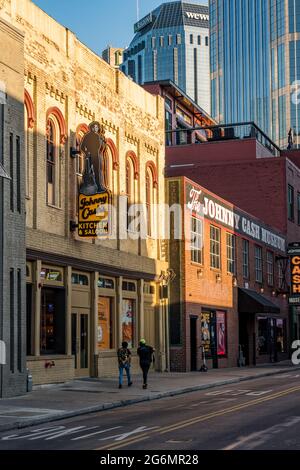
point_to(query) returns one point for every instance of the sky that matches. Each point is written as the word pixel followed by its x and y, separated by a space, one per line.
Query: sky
pixel 101 22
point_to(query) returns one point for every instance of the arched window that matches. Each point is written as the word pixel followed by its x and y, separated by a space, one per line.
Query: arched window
pixel 51 161
pixel 56 136
pixel 130 189
pixel 108 169
pixel 81 130
pixel 26 149
pixel 29 120
pixel 151 185
pixel 149 201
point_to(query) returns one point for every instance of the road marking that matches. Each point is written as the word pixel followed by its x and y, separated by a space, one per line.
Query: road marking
pixel 199 419
pixel 125 435
pixel 258 393
pixel 95 433
pixel 258 438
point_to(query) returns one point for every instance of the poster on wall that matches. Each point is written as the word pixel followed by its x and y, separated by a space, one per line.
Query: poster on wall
pixel 221 333
pixel 104 324
pixel 205 331
pixel 127 321
pixel 94 197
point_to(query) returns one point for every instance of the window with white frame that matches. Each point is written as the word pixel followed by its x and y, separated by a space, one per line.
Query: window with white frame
pixel 196 240
pixel 215 247
pixel 270 268
pixel 230 248
pixel 245 259
pixel 258 264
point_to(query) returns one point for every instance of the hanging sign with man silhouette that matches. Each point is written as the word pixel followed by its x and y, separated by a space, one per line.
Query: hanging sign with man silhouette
pixel 94 197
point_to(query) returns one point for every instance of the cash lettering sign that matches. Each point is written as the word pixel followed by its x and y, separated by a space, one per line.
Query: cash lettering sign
pixel 295 280
pixel 93 217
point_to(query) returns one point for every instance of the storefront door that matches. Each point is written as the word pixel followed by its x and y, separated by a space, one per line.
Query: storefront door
pixel 80 343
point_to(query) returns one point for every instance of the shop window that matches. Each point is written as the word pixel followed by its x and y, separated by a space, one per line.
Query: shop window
pixel 221 334
pixel 80 279
pixel 128 322
pixel 129 286
pixel 105 324
pixel 52 331
pixel 105 283
pixel 262 340
pixel 149 289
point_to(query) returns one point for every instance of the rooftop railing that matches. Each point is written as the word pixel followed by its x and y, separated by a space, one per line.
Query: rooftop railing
pixel 220 133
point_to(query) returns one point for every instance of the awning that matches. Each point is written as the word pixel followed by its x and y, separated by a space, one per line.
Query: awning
pixel 250 301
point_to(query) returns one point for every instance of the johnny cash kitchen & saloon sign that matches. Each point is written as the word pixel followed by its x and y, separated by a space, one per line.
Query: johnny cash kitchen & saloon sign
pixel 94 197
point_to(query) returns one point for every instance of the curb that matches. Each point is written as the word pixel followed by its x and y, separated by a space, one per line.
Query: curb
pixel 121 403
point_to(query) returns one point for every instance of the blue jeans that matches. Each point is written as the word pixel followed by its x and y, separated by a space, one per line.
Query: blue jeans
pixel 127 368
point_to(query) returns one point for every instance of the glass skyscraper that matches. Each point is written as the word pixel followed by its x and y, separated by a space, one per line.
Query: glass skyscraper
pixel 172 43
pixel 254 62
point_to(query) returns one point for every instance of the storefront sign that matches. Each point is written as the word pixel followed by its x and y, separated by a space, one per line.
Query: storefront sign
pixel 128 321
pixel 221 333
pixel 93 217
pixel 94 198
pixel 104 323
pixel 205 331
pixel 203 204
pixel 295 280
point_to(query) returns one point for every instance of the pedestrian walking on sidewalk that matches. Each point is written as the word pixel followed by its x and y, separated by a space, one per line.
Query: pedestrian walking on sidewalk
pixel 145 354
pixel 124 360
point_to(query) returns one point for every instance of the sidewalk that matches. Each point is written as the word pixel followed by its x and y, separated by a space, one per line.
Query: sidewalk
pixel 82 396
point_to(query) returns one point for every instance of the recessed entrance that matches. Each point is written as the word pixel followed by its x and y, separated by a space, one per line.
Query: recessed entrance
pixel 80 343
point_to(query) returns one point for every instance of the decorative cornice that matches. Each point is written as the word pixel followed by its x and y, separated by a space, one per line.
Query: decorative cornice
pixel 131 139
pixel 85 112
pixel 55 93
pixel 150 149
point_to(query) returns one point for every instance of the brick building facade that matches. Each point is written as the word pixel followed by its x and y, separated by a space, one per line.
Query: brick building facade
pixel 85 297
pixel 12 213
pixel 227 296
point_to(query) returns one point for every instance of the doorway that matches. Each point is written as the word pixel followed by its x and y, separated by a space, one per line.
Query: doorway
pixel 80 344
pixel 193 342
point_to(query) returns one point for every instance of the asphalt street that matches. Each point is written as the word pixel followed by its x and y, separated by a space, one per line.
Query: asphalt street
pixel 262 414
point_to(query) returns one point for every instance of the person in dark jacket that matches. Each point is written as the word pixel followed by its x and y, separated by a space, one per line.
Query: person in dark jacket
pixel 145 354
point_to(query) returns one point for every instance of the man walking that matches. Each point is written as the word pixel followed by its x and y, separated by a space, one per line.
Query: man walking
pixel 124 359
pixel 145 354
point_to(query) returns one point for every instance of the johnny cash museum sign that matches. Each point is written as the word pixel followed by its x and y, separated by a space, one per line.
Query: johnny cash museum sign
pixel 205 205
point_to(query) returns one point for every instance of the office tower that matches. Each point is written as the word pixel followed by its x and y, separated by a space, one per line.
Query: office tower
pixel 172 43
pixel 255 62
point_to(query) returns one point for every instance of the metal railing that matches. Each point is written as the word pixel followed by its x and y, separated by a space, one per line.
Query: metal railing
pixel 221 132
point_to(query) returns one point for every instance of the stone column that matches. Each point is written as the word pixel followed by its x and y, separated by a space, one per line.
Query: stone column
pixel 119 300
pixel 37 288
pixel 141 309
pixel 68 284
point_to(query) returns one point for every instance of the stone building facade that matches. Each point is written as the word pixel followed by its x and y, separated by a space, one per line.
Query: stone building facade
pixel 12 213
pixel 85 297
